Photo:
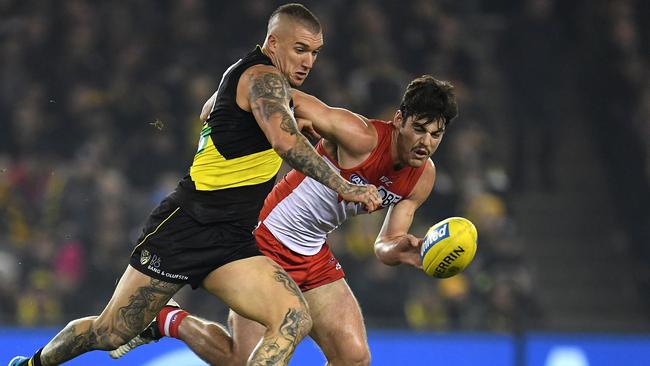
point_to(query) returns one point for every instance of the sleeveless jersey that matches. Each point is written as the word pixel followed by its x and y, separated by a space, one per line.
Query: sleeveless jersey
pixel 235 166
pixel 300 212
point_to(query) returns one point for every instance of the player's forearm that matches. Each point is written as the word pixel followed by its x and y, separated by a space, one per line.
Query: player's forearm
pixel 269 100
pixel 295 149
pixel 304 158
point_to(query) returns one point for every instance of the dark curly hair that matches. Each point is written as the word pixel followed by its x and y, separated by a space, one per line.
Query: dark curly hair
pixel 429 98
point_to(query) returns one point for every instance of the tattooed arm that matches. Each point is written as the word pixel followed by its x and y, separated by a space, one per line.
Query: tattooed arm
pixel 267 94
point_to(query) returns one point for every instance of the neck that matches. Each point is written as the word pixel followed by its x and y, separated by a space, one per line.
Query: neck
pixel 269 54
pixel 397 164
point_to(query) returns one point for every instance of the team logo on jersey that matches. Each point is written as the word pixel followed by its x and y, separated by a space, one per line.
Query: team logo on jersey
pixel 384 179
pixel 357 179
pixel 337 265
pixel 144 257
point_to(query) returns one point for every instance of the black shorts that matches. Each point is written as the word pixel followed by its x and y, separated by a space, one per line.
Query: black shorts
pixel 176 248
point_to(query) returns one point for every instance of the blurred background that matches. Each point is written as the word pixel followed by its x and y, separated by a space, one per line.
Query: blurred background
pixel 550 156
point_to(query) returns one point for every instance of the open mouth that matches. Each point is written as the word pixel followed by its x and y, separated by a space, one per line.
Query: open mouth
pixel 421 153
pixel 301 75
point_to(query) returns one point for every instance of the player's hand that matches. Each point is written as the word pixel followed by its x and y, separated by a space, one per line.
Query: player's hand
pixel 364 194
pixel 409 251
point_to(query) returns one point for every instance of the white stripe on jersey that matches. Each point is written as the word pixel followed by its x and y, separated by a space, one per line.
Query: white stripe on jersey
pixel 302 219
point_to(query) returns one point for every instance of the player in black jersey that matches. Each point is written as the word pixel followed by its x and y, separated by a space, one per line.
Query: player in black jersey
pixel 202 233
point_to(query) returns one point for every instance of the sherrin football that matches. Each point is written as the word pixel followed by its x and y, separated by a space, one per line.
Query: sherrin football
pixel 448 247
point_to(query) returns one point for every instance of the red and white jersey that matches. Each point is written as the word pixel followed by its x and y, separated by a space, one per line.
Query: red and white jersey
pixel 300 212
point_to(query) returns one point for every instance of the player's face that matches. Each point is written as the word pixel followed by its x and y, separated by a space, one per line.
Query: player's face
pixel 417 140
pixel 296 52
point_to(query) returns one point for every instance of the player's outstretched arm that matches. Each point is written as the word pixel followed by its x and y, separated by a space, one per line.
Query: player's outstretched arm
pixel 268 96
pixel 348 130
pixel 394 245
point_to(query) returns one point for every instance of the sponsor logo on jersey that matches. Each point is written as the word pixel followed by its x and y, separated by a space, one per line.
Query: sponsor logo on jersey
pixel 154 266
pixel 387 197
pixel 155 261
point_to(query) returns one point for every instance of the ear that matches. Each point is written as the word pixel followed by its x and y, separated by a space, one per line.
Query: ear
pixel 398 120
pixel 272 41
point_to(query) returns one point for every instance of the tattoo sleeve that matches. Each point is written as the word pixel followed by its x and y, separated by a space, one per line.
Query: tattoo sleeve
pixel 83 335
pixel 269 96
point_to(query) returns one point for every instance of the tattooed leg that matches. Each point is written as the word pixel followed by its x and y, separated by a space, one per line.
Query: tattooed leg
pixel 278 345
pixel 136 301
pixel 282 277
pixel 258 289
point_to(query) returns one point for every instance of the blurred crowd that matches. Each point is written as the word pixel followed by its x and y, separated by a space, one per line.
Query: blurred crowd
pixel 100 103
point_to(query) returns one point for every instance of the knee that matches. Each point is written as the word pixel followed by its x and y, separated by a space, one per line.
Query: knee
pixel 356 354
pixel 360 357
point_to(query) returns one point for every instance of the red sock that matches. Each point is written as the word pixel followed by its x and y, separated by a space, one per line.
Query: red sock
pixel 169 319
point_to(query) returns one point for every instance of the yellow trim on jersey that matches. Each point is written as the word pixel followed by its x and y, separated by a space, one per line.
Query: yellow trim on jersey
pixel 156 229
pixel 210 171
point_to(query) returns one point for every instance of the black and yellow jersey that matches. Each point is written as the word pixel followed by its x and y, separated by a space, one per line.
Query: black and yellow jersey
pixel 235 166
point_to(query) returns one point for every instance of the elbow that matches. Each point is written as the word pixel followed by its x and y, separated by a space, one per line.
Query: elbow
pixel 281 147
pixel 284 143
pixel 384 255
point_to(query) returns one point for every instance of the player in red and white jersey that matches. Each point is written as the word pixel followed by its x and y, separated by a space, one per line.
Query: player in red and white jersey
pixel 300 222
pixel 299 213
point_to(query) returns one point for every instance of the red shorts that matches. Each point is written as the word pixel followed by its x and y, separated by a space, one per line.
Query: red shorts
pixel 309 271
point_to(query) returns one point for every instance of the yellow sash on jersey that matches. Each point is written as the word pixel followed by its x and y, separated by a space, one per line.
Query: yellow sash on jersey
pixel 210 171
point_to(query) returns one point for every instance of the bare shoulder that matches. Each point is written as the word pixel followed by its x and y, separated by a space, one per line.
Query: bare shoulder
pixel 266 77
pixel 261 81
pixel 259 70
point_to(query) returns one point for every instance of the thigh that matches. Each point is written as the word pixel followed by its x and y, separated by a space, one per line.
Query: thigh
pixel 338 324
pixel 134 304
pixel 259 289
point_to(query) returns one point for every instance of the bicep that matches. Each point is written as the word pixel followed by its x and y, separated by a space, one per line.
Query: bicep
pixel 268 97
pixel 341 126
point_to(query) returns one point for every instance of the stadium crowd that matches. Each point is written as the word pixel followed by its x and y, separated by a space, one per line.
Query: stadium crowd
pixel 100 105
